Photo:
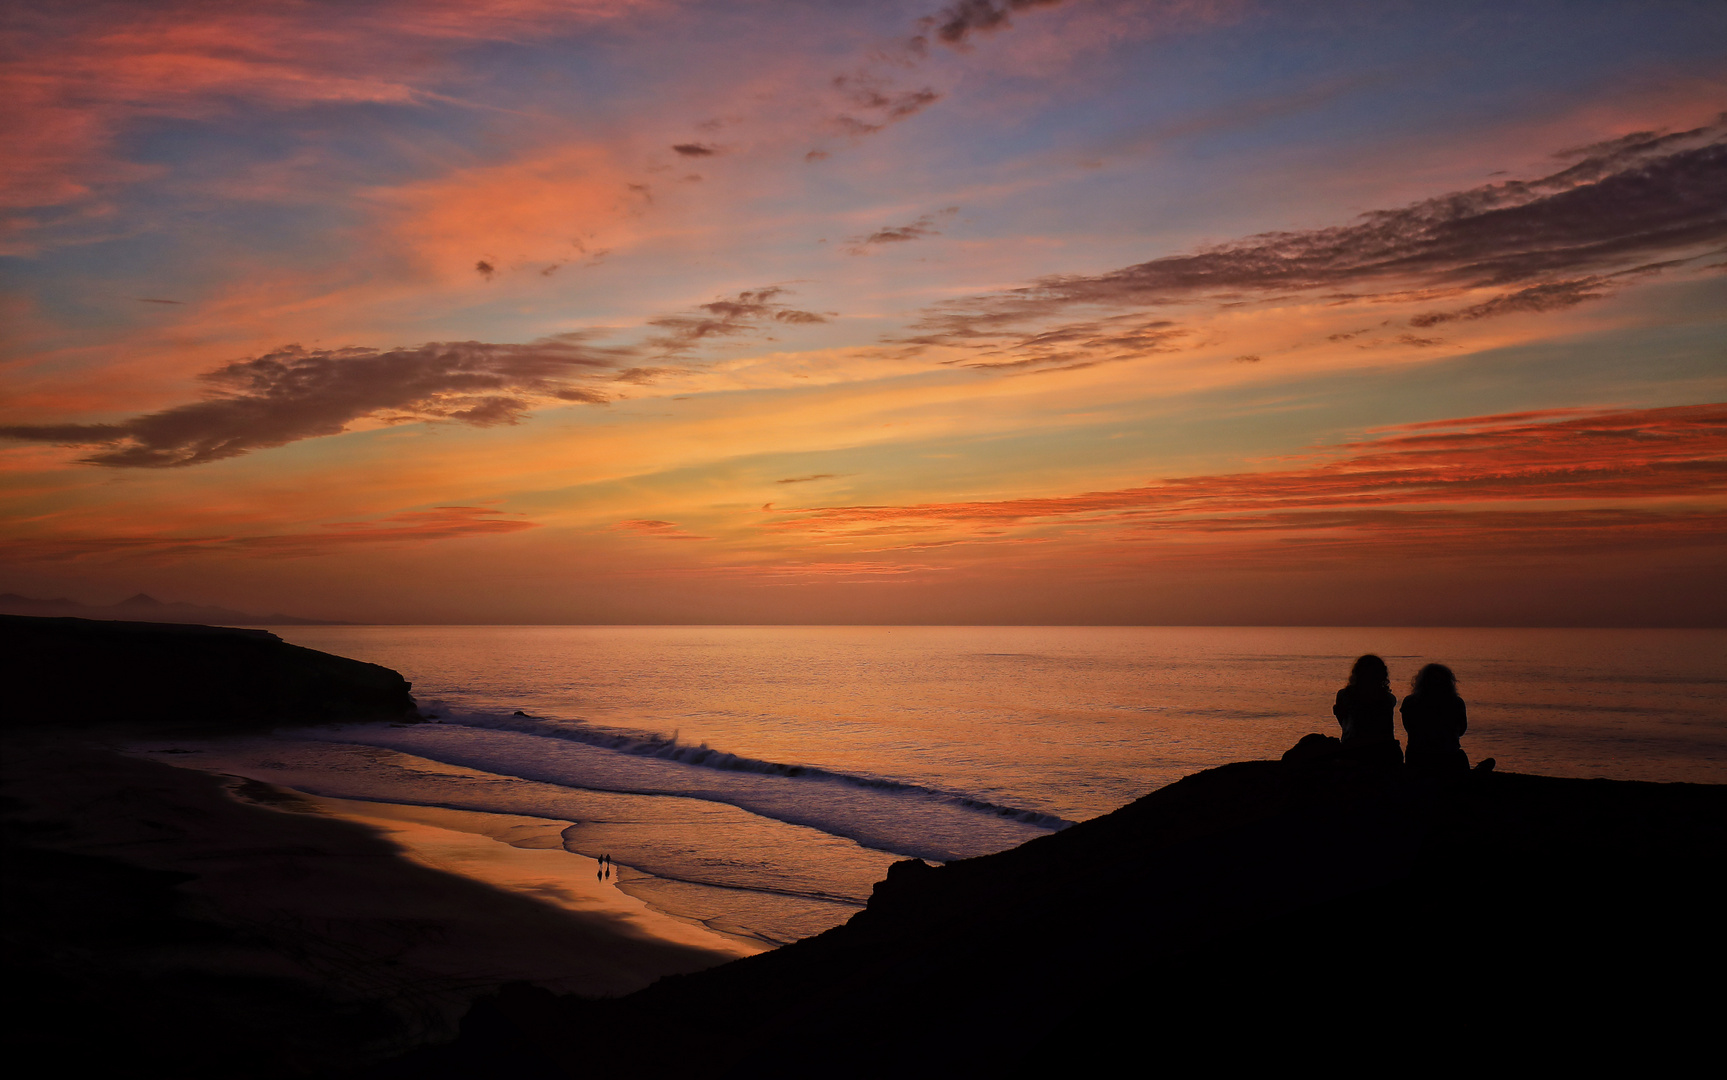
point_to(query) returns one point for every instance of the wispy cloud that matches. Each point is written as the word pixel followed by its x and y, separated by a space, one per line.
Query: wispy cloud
pixel 1547 296
pixel 728 316
pixel 955 24
pixel 923 227
pixel 1343 538
pixel 81 73
pixel 296 393
pixel 873 96
pixel 404 527
pixel 1071 346
pixel 1637 455
pixel 659 530
pixel 875 103
pixel 1620 210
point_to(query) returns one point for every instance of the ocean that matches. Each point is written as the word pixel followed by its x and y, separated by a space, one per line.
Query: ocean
pixel 759 780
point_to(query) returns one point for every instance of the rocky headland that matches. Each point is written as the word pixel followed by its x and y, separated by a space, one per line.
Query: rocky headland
pixel 89 672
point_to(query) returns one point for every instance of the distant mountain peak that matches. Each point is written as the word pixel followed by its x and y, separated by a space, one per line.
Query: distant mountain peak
pixel 146 608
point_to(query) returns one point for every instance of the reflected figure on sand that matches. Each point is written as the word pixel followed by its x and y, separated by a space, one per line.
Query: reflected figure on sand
pixel 1364 708
pixel 1434 719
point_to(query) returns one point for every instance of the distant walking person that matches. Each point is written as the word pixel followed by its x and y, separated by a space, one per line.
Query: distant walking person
pixel 1434 719
pixel 1364 710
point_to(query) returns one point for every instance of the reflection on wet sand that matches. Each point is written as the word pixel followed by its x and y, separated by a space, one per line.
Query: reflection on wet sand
pixel 523 855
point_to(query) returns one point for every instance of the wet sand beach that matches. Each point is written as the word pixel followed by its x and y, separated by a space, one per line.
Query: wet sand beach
pixel 332 934
pixel 523 856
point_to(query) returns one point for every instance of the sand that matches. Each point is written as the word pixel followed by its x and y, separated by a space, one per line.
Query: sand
pixel 333 931
pixel 516 854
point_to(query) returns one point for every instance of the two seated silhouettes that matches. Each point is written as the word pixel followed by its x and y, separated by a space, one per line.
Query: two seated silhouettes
pixel 1434 719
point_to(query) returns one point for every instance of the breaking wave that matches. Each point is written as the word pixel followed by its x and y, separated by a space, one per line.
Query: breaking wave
pixel 668 748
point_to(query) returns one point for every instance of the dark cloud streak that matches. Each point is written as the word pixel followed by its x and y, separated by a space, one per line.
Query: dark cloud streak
pixel 873 99
pixel 1549 296
pixel 872 96
pixel 1550 243
pixel 1070 346
pixel 744 313
pixel 957 22
pixel 899 234
pixel 295 393
pixel 1502 234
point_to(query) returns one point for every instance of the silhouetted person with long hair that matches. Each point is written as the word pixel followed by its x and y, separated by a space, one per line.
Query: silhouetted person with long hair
pixel 1434 719
pixel 1364 709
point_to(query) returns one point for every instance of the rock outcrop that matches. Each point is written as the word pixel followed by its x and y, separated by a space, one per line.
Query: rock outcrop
pixel 74 673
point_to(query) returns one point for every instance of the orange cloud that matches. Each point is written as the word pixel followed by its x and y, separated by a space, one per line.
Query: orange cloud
pixel 1462 536
pixel 1634 454
pixel 409 526
pixel 659 530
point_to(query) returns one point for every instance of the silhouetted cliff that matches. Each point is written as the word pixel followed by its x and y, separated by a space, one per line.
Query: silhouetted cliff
pixel 1273 913
pixel 83 672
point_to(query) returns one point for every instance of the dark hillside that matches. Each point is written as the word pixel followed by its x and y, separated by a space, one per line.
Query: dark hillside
pixel 1262 911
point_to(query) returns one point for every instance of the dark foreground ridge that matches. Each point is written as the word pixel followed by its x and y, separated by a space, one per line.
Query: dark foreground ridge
pixel 85 672
pixel 1268 912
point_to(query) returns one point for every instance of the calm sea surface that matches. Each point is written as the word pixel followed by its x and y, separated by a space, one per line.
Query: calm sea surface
pixel 760 779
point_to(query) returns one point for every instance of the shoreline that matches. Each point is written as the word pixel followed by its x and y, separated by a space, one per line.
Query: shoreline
pixel 146 891
pixel 511 853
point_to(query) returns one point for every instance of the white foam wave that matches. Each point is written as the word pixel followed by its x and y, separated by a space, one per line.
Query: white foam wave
pixel 879 813
pixel 668 748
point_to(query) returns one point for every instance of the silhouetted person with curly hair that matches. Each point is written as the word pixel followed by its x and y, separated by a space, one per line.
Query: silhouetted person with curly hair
pixel 1364 710
pixel 1434 719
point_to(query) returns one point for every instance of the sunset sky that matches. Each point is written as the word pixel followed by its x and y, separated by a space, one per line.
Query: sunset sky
pixel 1003 311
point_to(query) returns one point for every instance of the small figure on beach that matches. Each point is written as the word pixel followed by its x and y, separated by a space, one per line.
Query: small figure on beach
pixel 1363 709
pixel 1434 719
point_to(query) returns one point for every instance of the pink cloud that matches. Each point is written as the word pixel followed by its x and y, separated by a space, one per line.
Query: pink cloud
pixel 86 71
